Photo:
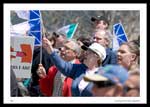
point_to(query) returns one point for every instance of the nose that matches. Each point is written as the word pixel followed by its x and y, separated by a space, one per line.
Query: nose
pixel 63 51
pixel 118 53
pixel 94 39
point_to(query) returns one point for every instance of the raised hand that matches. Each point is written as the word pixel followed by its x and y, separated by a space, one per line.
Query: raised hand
pixel 41 71
pixel 47 45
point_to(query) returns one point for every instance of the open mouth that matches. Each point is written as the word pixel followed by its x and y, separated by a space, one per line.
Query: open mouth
pixel 63 55
pixel 119 59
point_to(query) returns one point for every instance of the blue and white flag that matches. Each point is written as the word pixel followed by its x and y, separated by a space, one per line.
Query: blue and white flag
pixel 34 21
pixel 68 30
pixel 120 36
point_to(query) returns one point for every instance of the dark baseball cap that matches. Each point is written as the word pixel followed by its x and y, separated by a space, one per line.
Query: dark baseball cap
pixel 99 18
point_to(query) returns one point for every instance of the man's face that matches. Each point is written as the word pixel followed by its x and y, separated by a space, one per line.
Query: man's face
pixel 132 83
pixel 67 52
pixel 60 40
pixel 103 91
pixel 101 25
pixel 90 58
pixel 99 38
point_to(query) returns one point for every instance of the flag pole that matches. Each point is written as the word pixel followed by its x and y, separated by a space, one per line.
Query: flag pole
pixel 42 35
pixel 75 29
pixel 41 29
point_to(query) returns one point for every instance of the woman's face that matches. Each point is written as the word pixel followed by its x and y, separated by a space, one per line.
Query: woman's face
pixel 90 59
pixel 125 57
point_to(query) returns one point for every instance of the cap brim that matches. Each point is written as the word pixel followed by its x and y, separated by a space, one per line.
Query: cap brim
pixel 84 47
pixel 95 78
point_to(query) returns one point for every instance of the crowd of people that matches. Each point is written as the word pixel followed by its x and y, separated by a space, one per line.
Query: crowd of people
pixel 83 67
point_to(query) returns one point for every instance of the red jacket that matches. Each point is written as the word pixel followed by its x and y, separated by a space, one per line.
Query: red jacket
pixel 46 84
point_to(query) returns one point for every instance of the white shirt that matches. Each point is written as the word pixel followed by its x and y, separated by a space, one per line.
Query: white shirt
pixel 83 84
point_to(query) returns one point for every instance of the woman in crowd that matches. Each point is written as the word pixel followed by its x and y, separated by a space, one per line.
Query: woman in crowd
pixel 128 56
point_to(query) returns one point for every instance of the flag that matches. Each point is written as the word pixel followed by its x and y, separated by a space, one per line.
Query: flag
pixel 68 30
pixel 21 28
pixel 34 21
pixel 120 36
pixel 23 14
pixel 115 43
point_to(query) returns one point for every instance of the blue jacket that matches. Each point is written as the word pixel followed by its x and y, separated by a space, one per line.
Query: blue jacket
pixel 111 57
pixel 75 71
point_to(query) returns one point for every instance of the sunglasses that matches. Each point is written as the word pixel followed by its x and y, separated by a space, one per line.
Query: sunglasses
pixel 55 34
pixel 102 84
pixel 65 48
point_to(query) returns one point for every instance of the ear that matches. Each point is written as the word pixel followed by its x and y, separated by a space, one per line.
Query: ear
pixel 133 57
pixel 106 42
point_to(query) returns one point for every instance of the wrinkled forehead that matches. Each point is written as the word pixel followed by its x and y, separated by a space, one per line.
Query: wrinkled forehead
pixel 100 33
pixel 70 44
pixel 123 48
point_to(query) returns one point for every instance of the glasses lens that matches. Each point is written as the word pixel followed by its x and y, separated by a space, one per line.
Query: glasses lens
pixel 57 36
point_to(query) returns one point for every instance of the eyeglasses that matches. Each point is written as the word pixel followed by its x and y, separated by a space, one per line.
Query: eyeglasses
pixel 127 88
pixel 65 48
pixel 55 34
pixel 102 84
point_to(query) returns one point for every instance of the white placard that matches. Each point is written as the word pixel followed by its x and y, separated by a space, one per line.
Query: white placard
pixel 21 55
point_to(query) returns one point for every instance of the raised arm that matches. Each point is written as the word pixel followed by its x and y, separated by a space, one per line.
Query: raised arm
pixel 68 69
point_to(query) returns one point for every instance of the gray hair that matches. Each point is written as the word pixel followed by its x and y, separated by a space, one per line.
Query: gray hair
pixel 108 36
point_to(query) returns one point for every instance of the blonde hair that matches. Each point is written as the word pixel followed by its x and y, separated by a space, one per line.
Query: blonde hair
pixel 134 48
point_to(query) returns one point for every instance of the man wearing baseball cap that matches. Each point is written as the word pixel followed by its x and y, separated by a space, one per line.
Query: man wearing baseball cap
pixel 109 81
pixel 101 22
